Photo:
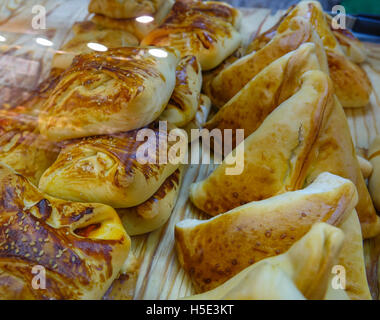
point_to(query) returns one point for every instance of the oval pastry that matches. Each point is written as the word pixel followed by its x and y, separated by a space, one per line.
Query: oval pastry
pixel 80 246
pixel 107 169
pixel 114 91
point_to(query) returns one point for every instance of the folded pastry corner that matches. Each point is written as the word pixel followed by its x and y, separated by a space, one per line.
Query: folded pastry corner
pixel 301 272
pixel 154 212
pixel 99 95
pixel 208 30
pixel 112 169
pixel 215 250
pixel 80 246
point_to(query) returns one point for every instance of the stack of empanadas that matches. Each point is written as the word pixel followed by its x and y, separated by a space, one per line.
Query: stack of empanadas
pixel 135 16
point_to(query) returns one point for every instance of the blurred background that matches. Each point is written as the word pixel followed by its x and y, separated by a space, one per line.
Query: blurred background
pixel 352 6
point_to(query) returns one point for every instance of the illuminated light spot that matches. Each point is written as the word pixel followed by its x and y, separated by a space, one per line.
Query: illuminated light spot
pixel 159 53
pixel 3 39
pixel 97 46
pixel 144 19
pixel 44 42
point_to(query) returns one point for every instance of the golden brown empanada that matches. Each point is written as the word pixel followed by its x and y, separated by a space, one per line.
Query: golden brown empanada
pixel 301 272
pixel 351 83
pixel 215 250
pixel 109 38
pixel 109 169
pixel 208 30
pixel 267 90
pixel 114 91
pixel 21 145
pixel 154 212
pixel 365 167
pixel 306 135
pixel 374 180
pixel 234 77
pixel 122 9
pixel 184 102
pixel 133 26
pixel 81 246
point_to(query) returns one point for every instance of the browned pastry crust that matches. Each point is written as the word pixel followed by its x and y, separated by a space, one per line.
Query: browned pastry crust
pixel 107 169
pixel 207 30
pixel 123 9
pixel 114 91
pixel 81 246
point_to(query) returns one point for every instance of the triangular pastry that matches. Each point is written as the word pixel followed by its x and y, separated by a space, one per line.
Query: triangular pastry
pixel 99 95
pixel 154 212
pixel 80 246
pixel 208 30
pixel 306 135
pixel 109 169
pixel 351 83
pixel 235 76
pixel 91 33
pixel 213 251
pixel 184 101
pixel 299 273
pixel 267 90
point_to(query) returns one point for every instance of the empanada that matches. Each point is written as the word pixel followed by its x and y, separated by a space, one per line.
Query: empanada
pixel 234 77
pixel 110 169
pixel 208 30
pixel 81 247
pixel 301 272
pixel 303 137
pixel 351 83
pixel 123 9
pixel 114 91
pixel 109 38
pixel 154 212
pixel 184 102
pixel 215 250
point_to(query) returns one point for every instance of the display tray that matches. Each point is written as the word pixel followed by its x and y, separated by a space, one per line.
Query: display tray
pixel 24 63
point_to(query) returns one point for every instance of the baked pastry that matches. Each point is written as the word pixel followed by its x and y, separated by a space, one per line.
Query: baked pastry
pixel 306 135
pixel 114 91
pixel 124 9
pixel 113 169
pixel 351 83
pixel 208 30
pixel 109 38
pixel 132 25
pixel 21 145
pixel 299 273
pixel 365 167
pixel 81 246
pixel 234 77
pixel 374 180
pixel 184 101
pixel 154 212
pixel 267 90
pixel 215 250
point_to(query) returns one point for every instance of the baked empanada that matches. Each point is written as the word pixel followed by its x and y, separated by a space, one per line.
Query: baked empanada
pixel 114 91
pixel 215 250
pixel 351 83
pixel 112 169
pixel 208 30
pixel 123 9
pixel 234 77
pixel 306 135
pixel 154 212
pixel 109 38
pixel 81 247
pixel 301 272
